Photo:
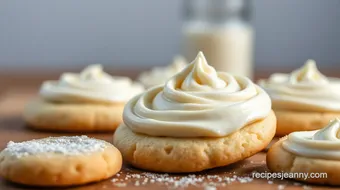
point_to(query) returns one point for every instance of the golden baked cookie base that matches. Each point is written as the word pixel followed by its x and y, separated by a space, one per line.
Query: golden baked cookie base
pixel 175 155
pixel 291 121
pixel 280 160
pixel 52 169
pixel 43 115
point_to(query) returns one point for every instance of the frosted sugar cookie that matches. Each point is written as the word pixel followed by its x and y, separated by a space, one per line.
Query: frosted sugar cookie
pixel 59 161
pixel 314 153
pixel 90 101
pixel 159 75
pixel 199 119
pixel 303 100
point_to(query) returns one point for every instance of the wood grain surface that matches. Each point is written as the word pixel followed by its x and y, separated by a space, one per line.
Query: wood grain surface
pixel 12 128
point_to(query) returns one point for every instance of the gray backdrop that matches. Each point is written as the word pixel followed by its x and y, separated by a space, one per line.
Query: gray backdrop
pixel 147 32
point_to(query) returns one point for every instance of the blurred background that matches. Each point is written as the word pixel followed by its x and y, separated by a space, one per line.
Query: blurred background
pixel 51 36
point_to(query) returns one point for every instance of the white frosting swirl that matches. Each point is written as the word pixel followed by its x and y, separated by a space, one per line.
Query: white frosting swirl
pixel 305 89
pixel 159 75
pixel 197 102
pixel 323 143
pixel 91 85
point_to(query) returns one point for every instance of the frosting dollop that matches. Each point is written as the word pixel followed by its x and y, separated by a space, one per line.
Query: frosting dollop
pixel 323 143
pixel 305 89
pixel 159 75
pixel 197 102
pixel 91 85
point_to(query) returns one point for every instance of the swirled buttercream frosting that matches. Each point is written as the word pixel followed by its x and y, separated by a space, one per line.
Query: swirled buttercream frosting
pixel 92 85
pixel 323 143
pixel 197 102
pixel 305 89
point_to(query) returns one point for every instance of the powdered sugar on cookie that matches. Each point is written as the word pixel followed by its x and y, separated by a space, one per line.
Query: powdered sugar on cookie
pixel 66 145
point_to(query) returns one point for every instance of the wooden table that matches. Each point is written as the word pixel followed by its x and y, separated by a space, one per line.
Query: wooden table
pixel 12 128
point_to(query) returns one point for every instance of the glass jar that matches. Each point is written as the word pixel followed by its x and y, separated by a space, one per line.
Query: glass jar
pixel 222 31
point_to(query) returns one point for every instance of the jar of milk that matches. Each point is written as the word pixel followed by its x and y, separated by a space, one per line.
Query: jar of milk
pixel 221 30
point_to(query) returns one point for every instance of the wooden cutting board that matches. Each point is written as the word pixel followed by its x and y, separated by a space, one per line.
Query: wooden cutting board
pixel 234 177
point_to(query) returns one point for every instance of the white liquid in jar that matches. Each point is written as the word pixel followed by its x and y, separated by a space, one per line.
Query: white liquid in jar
pixel 227 48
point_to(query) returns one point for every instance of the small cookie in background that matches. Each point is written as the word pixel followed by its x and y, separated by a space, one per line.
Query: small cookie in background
pixel 59 161
pixel 90 101
pixel 303 100
pixel 159 75
pixel 314 153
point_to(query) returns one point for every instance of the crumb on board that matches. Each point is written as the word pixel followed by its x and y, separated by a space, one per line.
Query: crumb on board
pixel 209 182
pixel 208 187
pixel 120 184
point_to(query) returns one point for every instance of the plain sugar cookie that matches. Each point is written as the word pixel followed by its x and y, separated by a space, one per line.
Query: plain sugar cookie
pixel 44 115
pixel 59 161
pixel 168 154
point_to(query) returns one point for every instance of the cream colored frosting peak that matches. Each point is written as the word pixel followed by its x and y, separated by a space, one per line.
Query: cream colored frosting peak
pixel 91 85
pixel 159 75
pixel 197 102
pixel 305 89
pixel 330 132
pixel 323 143
pixel 309 73
pixel 202 76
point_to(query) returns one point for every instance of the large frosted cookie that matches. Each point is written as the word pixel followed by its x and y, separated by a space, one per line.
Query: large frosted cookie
pixel 304 99
pixel 200 119
pixel 81 102
pixel 59 161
